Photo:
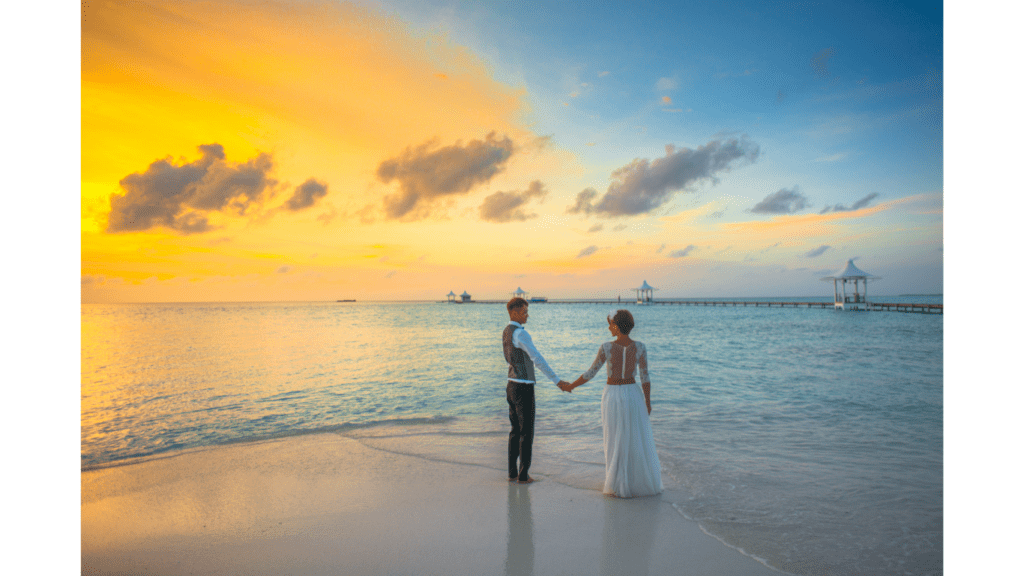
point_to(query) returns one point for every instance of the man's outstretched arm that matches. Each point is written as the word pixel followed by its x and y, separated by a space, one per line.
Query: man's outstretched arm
pixel 525 342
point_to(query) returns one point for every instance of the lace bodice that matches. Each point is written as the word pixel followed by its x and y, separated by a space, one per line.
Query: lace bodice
pixel 623 361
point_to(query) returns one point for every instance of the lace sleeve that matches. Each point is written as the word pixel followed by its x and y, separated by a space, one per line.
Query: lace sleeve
pixel 641 363
pixel 598 362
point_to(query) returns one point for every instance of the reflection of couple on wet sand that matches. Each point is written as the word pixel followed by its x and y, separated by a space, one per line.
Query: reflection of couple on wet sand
pixel 630 458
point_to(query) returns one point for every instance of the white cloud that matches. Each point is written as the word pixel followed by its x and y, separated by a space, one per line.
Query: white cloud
pixel 666 84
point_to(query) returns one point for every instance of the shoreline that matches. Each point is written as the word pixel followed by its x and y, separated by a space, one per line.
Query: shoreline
pixel 327 503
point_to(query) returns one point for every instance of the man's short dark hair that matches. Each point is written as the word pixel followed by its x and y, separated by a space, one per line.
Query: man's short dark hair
pixel 516 302
pixel 624 320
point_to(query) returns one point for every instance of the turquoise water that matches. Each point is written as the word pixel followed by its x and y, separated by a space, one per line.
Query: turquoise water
pixel 808 438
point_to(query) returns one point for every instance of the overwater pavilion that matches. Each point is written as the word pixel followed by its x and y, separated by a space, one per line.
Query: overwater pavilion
pixel 452 296
pixel 465 297
pixel 854 275
pixel 645 293
pixel 519 293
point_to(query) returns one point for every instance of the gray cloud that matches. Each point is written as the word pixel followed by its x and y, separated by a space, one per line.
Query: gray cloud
pixel 306 194
pixel 177 196
pixel 366 214
pixel 507 206
pixel 619 228
pixel 643 185
pixel 587 251
pixel 820 62
pixel 326 217
pixel 782 202
pixel 425 174
pixel 583 202
pixel 856 205
pixel 660 248
pixel 718 214
pixel 682 253
pixel 596 228
pixel 817 251
pixel 284 269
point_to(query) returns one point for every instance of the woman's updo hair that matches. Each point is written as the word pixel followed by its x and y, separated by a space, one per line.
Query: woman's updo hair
pixel 623 319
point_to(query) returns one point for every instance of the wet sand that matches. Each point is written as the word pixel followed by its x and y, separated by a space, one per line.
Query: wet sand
pixel 327 504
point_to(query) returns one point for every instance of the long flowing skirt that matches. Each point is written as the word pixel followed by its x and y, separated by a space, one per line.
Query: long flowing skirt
pixel 631 465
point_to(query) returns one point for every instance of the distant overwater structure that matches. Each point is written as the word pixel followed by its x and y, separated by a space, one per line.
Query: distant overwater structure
pixel 645 293
pixel 462 299
pixel 854 275
pixel 842 298
pixel 520 293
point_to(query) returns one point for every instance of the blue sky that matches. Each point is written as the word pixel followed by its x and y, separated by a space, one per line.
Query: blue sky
pixel 844 100
pixel 856 88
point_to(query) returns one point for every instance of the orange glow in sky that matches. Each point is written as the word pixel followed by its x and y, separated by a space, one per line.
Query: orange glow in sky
pixel 236 151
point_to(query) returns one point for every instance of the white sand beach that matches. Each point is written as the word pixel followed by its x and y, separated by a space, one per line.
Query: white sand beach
pixel 327 504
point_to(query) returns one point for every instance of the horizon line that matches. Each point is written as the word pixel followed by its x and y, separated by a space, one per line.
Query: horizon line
pixel 443 301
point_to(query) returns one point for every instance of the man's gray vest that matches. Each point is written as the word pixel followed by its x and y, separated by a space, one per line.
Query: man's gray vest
pixel 520 366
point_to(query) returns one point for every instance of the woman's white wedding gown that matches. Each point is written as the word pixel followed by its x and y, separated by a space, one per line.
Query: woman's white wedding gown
pixel 631 465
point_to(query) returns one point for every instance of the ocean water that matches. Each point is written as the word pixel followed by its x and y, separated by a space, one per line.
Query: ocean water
pixel 810 439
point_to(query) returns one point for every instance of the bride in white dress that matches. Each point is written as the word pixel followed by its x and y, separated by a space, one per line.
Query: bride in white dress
pixel 631 465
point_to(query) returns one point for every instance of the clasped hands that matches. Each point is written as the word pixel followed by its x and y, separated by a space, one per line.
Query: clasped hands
pixel 565 386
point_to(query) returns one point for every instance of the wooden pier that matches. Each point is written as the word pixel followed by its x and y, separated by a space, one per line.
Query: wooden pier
pixel 744 304
pixel 919 308
pixel 875 306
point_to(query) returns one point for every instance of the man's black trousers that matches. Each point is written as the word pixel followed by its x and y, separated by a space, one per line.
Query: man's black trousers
pixel 521 411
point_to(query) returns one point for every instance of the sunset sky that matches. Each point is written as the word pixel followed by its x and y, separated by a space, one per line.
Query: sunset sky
pixel 399 150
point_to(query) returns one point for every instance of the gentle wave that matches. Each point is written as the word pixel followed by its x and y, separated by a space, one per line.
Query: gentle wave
pixel 173 450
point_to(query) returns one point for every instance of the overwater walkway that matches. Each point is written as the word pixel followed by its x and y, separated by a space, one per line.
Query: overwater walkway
pixel 873 306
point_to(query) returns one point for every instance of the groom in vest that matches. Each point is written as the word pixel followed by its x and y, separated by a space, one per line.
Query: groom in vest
pixel 522 356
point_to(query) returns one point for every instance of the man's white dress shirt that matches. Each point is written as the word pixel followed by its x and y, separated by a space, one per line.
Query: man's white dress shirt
pixel 521 339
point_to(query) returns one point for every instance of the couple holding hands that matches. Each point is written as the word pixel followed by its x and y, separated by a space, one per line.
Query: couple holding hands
pixel 631 461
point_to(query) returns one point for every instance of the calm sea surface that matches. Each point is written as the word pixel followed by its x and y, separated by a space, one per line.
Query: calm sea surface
pixel 808 438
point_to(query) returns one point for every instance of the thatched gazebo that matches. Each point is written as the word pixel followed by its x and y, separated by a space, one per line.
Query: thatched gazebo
pixel 451 296
pixel 519 293
pixel 854 275
pixel 465 297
